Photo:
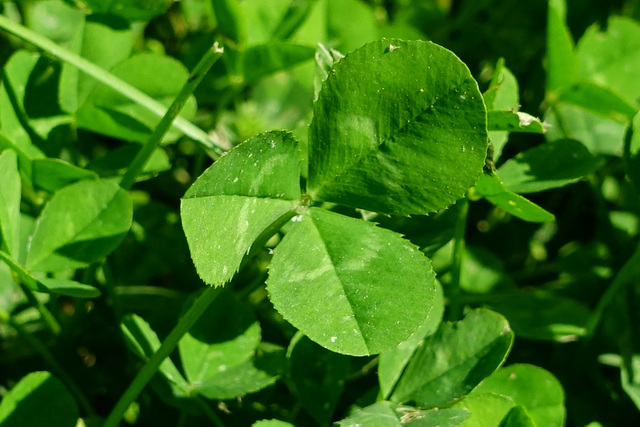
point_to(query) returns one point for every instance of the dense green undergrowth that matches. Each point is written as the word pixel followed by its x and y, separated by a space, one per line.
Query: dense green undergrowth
pixel 314 212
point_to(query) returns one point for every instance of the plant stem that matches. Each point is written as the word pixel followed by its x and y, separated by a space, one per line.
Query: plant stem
pixel 28 284
pixel 151 367
pixel 455 305
pixel 198 73
pixel 215 420
pixel 108 79
pixel 44 352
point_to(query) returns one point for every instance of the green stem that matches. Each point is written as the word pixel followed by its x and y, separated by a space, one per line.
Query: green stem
pixel 455 305
pixel 55 367
pixel 28 284
pixel 198 73
pixel 215 420
pixel 151 367
pixel 108 79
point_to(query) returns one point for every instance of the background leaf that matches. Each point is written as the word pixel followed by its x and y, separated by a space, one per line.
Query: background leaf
pixel 38 399
pixel 109 113
pixel 490 187
pixel 104 40
pixel 399 127
pixel 10 194
pixel 317 376
pixel 541 315
pixel 632 152
pixel 393 362
pixel 551 165
pixel 389 414
pixel 486 409
pixel 531 387
pixel 81 224
pixel 134 10
pixel 611 57
pixel 225 336
pixel 449 365
pixel 54 174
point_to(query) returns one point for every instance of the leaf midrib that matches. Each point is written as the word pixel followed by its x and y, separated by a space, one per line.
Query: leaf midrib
pixel 335 271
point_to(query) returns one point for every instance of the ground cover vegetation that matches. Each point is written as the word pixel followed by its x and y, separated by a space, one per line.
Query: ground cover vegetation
pixel 315 212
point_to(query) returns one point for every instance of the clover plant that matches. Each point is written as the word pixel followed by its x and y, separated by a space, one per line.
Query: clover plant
pixel 294 213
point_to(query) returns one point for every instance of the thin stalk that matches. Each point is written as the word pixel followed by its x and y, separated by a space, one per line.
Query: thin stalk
pixel 28 284
pixel 55 367
pixel 455 304
pixel 108 79
pixel 215 420
pixel 198 73
pixel 168 345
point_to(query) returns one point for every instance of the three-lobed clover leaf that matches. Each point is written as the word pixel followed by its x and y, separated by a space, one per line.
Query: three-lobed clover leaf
pixel 399 127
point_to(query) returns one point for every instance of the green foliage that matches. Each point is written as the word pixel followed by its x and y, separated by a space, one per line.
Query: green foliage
pixel 38 399
pixel 326 226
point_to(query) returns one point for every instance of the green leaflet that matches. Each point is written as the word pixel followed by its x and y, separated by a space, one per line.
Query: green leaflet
pixel 597 99
pixel 108 112
pixel 487 409
pixel 251 376
pixel 274 20
pixel 393 362
pixel 531 387
pixel 352 22
pixel 612 58
pixel 561 68
pixel 503 94
pixel 256 62
pixel 632 152
pixel 514 122
pixel 54 174
pixel 601 135
pixel 518 417
pixel 399 127
pixel 389 414
pixel 133 10
pixel 317 376
pixel 493 190
pixel 271 423
pixel 348 285
pixel 541 315
pixel 10 193
pixel 630 378
pixel 104 40
pixel 144 342
pixel 252 190
pixel 225 336
pixel 551 165
pixel 230 20
pixel 81 224
pixel 449 365
pixel 38 399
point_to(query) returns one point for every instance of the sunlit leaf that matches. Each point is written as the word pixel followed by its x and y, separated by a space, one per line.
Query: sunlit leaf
pixel 252 190
pixel 348 285
pixel 399 127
